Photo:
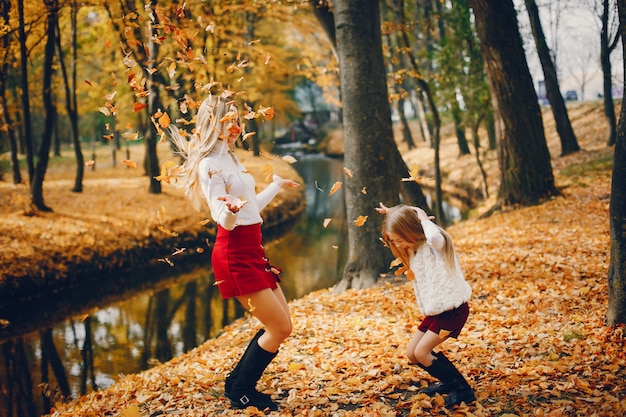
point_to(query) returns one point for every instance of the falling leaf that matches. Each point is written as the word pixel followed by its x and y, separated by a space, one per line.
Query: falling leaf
pixel 318 187
pixel 326 222
pixel 347 172
pixel 164 121
pixel 178 251
pixel 129 163
pixel 360 221
pixel 104 110
pixel 251 308
pixel 335 247
pixel 289 159
pixel 89 83
pixel 90 163
pixel 364 190
pixel 167 261
pixel 334 188
pixel 247 135
pixel 216 283
pixel 137 107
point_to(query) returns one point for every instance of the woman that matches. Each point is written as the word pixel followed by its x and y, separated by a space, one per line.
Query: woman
pixel 441 291
pixel 212 173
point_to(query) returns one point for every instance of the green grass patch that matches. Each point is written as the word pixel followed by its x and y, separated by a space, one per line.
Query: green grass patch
pixel 600 164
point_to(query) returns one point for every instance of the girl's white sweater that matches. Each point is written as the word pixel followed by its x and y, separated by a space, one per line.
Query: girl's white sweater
pixel 438 287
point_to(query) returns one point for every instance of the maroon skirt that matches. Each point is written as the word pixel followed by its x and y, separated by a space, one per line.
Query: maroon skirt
pixel 239 262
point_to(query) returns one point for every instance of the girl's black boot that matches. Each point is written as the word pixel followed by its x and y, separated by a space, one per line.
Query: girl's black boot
pixel 459 390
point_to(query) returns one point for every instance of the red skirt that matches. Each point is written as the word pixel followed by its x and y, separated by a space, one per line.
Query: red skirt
pixel 239 262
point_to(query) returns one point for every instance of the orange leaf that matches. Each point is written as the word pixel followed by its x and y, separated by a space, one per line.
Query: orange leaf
pixel 360 221
pixel 129 163
pixel 137 107
pixel 334 188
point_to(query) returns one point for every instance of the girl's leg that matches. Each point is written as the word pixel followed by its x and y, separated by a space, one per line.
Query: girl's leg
pixel 423 348
pixel 410 349
pixel 270 307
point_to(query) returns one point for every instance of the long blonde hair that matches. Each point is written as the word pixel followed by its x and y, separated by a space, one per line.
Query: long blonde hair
pixel 402 221
pixel 213 119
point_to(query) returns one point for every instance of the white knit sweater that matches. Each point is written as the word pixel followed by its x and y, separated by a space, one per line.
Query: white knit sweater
pixel 437 287
pixel 221 173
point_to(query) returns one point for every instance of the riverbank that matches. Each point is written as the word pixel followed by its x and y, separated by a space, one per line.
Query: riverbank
pixel 113 225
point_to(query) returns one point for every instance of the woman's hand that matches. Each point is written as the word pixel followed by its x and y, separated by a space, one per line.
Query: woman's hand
pixel 232 203
pixel 284 182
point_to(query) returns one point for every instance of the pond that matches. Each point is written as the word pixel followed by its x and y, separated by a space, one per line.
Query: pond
pixel 83 353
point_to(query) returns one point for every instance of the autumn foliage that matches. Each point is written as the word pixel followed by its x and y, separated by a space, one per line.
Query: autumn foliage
pixel 535 343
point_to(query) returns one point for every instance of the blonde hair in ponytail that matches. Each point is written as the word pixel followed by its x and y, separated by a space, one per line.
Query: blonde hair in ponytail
pixel 212 121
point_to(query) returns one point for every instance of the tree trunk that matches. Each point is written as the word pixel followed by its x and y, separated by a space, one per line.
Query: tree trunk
pixel 569 144
pixel 459 128
pixel 154 104
pixel 368 138
pixel 70 100
pixel 526 173
pixel 28 135
pixel 36 185
pixel 606 47
pixel 616 313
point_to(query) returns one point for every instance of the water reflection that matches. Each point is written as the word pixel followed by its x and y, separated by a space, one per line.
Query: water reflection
pixel 86 353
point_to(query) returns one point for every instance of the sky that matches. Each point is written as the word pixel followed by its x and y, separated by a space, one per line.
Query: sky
pixel 572 29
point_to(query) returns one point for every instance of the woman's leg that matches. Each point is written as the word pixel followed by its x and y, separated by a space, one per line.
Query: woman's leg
pixel 270 307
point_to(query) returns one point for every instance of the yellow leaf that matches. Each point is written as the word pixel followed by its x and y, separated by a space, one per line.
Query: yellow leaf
pixel 334 188
pixel 360 221
pixel 164 121
pixel 289 159
pixel 131 411
pixel 326 222
pixel 347 172
pixel 129 163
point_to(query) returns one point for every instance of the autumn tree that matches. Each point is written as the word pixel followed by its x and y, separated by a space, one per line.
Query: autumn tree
pixel 609 39
pixel 616 313
pixel 569 143
pixel 36 186
pixel 7 125
pixel 526 173
pixel 367 134
pixel 410 191
pixel 71 101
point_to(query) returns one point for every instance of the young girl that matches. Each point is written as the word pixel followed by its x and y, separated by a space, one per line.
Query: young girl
pixel 442 293
pixel 212 173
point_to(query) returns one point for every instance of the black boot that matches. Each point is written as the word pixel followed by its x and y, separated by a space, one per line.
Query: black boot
pixel 459 389
pixel 243 392
pixel 232 377
pixel 434 388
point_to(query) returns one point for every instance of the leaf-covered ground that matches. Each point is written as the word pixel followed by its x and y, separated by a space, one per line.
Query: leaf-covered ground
pixel 535 343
